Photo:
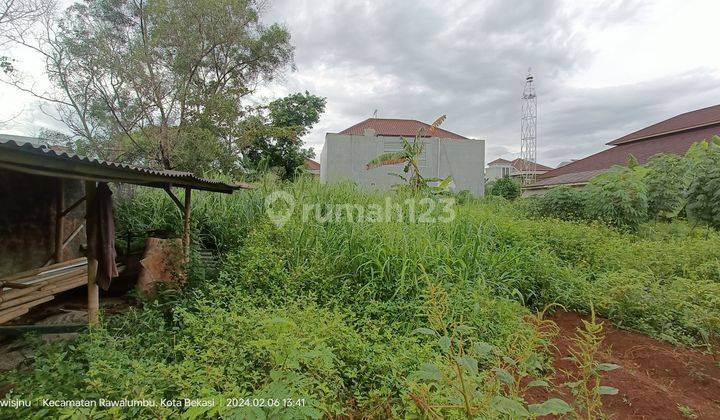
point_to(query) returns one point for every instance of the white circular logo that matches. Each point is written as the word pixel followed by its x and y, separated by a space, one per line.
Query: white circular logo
pixel 279 206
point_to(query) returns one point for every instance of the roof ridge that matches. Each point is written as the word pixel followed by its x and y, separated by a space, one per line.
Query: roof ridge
pixel 677 119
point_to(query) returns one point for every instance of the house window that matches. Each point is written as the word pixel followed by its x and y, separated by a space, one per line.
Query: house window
pixel 505 171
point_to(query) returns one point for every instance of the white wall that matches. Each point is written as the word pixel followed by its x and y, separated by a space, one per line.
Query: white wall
pixel 495 172
pixel 344 157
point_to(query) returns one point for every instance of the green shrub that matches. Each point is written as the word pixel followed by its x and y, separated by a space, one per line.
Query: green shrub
pixel 704 193
pixel 618 197
pixel 327 309
pixel 563 202
pixel 505 187
pixel 667 181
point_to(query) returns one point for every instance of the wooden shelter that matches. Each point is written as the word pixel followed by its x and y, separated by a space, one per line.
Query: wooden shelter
pixel 38 177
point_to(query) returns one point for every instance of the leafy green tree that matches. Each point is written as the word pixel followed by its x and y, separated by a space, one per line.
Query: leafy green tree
pixel 275 139
pixel 703 203
pixel 157 82
pixel 618 197
pixel 505 187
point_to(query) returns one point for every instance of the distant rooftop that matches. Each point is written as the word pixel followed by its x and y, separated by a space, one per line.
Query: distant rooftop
pixel 396 128
pixel 674 135
pixel 689 120
pixel 519 164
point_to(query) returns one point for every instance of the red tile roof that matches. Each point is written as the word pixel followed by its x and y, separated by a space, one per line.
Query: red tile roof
pixel 311 165
pixel 499 160
pixel 687 121
pixel 521 164
pixel 677 143
pixel 397 128
pixel 574 178
pixel 518 164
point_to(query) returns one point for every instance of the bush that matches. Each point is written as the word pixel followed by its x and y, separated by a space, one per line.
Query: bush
pixel 505 187
pixel 704 194
pixel 618 197
pixel 667 181
pixel 329 310
pixel 563 202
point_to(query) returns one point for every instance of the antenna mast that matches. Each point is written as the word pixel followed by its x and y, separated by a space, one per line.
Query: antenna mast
pixel 528 131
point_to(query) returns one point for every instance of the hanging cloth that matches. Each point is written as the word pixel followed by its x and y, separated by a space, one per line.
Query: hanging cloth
pixel 100 229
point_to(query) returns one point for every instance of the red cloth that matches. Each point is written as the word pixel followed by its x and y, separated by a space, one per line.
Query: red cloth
pixel 101 235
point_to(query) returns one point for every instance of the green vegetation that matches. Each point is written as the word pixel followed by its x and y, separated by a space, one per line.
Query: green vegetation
pixel 505 187
pixel 409 157
pixel 380 319
pixel 667 187
pixel 163 83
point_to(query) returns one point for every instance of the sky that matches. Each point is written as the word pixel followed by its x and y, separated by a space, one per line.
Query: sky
pixel 602 69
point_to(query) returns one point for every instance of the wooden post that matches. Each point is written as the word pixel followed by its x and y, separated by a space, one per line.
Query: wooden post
pixel 186 225
pixel 59 225
pixel 93 304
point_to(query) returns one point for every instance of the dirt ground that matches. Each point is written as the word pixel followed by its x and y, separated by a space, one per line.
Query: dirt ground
pixel 656 380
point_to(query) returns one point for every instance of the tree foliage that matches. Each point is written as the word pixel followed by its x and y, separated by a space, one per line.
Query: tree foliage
pixel 274 137
pixel 667 182
pixel 562 202
pixel 618 197
pixel 157 82
pixel 703 202
pixel 505 187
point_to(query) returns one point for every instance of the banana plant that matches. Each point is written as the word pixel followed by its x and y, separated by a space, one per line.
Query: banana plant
pixel 409 156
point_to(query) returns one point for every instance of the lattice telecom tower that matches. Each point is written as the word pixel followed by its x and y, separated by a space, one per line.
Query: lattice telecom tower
pixel 528 131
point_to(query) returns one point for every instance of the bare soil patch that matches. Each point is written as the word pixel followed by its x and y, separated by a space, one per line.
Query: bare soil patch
pixel 657 380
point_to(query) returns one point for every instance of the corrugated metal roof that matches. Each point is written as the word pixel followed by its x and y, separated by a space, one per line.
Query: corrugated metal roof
pixel 35 141
pixel 41 159
pixel 397 128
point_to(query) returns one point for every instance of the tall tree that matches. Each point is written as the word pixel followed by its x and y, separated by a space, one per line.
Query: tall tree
pixel 157 82
pixel 275 136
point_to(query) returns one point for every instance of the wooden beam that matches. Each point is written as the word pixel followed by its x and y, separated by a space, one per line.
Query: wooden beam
pixel 17 330
pixel 174 198
pixel 10 314
pixel 36 271
pixel 73 234
pixel 93 305
pixel 66 242
pixel 73 206
pixel 186 224
pixel 58 255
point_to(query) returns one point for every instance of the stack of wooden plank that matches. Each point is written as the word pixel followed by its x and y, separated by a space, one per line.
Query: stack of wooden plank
pixel 20 292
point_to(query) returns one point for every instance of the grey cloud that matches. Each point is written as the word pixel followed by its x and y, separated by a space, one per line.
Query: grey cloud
pixel 468 60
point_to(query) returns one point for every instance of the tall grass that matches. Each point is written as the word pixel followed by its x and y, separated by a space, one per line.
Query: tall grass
pixel 326 310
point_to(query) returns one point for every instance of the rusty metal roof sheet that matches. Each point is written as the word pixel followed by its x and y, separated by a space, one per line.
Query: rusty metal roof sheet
pixel 43 160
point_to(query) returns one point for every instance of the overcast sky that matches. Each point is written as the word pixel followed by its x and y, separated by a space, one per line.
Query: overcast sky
pixel 602 69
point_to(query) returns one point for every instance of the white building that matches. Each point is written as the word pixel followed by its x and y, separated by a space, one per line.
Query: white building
pixel 345 155
pixel 499 168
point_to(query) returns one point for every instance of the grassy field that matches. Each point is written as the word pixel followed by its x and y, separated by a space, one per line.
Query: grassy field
pixel 393 318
